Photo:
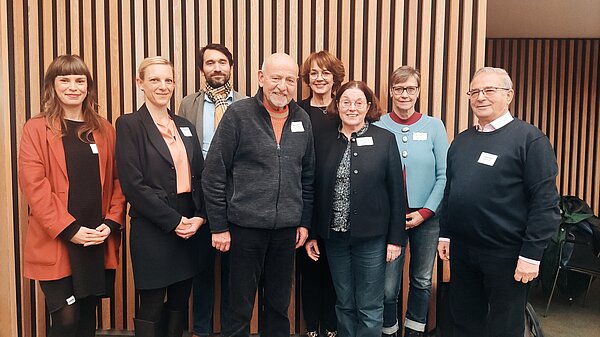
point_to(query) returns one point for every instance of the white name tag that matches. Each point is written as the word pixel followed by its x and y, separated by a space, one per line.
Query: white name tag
pixel 297 127
pixel 364 141
pixel 487 158
pixel 71 300
pixel 94 148
pixel 186 131
pixel 420 136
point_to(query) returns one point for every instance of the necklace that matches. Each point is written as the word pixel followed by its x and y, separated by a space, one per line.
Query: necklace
pixel 322 108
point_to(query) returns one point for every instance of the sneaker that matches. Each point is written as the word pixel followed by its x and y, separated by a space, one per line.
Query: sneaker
pixel 330 333
pixel 312 334
pixel 408 332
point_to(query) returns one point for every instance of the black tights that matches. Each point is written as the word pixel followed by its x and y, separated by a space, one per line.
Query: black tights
pixel 76 320
pixel 152 301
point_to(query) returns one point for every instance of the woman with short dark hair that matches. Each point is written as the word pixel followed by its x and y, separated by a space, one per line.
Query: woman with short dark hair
pixel 323 73
pixel 359 208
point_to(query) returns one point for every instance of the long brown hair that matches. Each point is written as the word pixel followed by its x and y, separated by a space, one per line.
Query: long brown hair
pixel 52 108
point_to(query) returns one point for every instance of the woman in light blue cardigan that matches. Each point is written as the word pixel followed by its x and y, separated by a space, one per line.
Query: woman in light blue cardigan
pixel 423 144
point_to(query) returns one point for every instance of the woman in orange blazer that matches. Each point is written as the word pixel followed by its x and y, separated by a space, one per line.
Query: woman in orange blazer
pixel 68 175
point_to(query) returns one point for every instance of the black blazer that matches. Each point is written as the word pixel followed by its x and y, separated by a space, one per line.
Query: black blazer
pixel 159 257
pixel 377 198
pixel 146 169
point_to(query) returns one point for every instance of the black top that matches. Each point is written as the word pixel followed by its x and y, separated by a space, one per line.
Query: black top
pixel 501 195
pixel 85 204
pixel 322 123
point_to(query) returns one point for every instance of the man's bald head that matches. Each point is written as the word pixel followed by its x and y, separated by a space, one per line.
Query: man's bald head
pixel 278 77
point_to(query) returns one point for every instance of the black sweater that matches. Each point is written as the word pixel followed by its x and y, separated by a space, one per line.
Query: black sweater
pixel 251 181
pixel 508 208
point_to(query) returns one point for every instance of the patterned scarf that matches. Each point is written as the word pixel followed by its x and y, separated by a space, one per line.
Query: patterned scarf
pixel 219 97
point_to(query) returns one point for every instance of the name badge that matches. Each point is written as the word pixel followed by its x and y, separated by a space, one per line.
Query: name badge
pixel 364 141
pixel 487 159
pixel 94 148
pixel 420 136
pixel 71 300
pixel 186 131
pixel 297 127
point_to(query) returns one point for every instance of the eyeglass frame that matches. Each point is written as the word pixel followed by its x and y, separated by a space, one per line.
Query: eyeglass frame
pixel 403 89
pixel 356 103
pixel 474 93
pixel 324 74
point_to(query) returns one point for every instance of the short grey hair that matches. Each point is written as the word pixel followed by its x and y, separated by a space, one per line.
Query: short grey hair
pixel 506 81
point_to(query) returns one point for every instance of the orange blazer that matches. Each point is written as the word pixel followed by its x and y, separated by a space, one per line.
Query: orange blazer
pixel 45 185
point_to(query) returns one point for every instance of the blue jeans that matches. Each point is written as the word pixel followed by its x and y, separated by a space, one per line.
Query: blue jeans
pixel 423 241
pixel 357 268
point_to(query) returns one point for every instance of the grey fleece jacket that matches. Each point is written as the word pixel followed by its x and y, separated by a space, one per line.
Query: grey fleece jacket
pixel 251 181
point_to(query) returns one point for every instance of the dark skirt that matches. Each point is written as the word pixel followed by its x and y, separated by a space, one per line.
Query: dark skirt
pixel 160 259
pixel 60 292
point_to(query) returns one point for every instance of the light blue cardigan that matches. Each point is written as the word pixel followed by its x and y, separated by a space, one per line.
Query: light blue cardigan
pixel 425 163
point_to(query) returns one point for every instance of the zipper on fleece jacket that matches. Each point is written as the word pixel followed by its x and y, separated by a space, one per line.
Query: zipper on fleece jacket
pixel 285 125
pixel 278 182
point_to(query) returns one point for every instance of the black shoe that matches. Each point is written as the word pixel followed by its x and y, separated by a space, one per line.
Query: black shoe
pixel 395 334
pixel 408 332
pixel 146 328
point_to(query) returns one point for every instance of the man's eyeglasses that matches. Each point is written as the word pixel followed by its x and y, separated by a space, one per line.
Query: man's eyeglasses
pixel 324 74
pixel 409 90
pixel 487 92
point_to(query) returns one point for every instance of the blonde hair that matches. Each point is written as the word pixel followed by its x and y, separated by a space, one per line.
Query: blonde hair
pixel 149 61
pixel 51 106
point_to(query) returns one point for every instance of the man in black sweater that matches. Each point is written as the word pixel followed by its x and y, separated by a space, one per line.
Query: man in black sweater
pixel 500 207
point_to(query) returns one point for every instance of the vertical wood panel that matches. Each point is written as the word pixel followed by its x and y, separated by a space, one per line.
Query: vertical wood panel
pixel 444 38
pixel 556 89
pixel 593 171
pixel 8 301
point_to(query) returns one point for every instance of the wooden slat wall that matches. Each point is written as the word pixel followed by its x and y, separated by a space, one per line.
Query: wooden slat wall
pixel 443 38
pixel 557 89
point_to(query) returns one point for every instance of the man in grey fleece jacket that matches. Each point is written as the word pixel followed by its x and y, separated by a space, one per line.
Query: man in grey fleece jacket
pixel 258 185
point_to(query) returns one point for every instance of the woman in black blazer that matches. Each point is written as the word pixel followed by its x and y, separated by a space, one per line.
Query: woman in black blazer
pixel 159 161
pixel 359 208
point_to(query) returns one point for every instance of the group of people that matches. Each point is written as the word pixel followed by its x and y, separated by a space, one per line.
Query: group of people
pixel 257 178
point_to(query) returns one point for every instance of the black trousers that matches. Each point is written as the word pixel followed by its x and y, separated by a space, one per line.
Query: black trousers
pixel 269 253
pixel 485 300
pixel 318 293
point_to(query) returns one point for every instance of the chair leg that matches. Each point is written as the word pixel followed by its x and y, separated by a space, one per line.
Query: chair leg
pixel 552 291
pixel 588 289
